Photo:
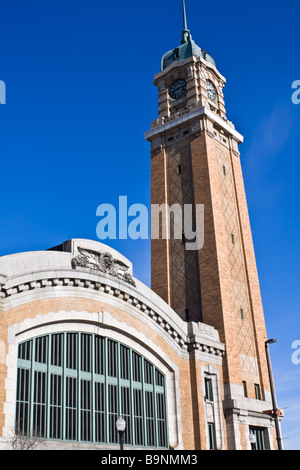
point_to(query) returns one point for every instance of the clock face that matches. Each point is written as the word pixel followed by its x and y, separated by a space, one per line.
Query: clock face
pixel 177 89
pixel 211 90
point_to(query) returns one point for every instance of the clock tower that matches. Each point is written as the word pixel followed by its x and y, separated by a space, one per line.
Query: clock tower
pixel 195 160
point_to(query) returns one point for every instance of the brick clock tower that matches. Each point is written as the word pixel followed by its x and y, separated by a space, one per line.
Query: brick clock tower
pixel 195 160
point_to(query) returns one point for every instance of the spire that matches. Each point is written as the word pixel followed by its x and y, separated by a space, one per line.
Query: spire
pixel 185 33
pixel 184 16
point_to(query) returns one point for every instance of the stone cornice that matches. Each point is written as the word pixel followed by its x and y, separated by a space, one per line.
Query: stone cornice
pixel 184 118
pixel 192 338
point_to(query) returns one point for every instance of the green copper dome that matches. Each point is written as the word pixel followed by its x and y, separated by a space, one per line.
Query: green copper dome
pixel 188 48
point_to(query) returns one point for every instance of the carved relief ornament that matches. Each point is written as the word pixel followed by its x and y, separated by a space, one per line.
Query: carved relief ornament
pixel 103 262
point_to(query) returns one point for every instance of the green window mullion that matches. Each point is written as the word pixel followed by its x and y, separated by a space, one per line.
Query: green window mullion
pixel 64 385
pixel 166 436
pixel 31 406
pixel 132 433
pixel 48 384
pixel 143 402
pixel 106 390
pixel 118 371
pixel 78 405
pixel 93 412
pixel 154 407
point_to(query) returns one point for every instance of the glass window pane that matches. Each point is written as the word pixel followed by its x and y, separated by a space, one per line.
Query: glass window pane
pixel 39 404
pixel 150 419
pixel 99 355
pixel 124 362
pixel 100 421
pixel 56 349
pixel 208 389
pixel 126 413
pixel 211 436
pixel 22 405
pixel 86 352
pixel 85 418
pixel 41 349
pixel 138 417
pixel 112 413
pixel 24 351
pixel 55 407
pixel 71 408
pixel 161 422
pixel 136 366
pixel 148 371
pixel 112 358
pixel 72 350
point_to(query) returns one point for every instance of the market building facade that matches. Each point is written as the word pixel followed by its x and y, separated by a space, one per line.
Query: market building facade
pixel 82 341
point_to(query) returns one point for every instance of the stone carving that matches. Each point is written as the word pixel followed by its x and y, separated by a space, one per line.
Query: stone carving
pixel 103 262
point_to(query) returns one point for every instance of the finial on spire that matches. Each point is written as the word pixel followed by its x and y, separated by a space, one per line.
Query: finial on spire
pixel 185 33
pixel 184 15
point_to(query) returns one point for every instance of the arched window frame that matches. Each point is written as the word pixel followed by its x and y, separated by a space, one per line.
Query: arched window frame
pixel 74 413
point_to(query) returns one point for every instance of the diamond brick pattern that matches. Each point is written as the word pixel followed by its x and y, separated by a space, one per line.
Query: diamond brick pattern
pixel 184 269
pixel 238 274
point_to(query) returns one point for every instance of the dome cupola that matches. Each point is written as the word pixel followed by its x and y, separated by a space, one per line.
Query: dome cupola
pixel 188 48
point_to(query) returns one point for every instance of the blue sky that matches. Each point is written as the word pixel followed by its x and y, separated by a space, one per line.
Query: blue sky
pixel 80 95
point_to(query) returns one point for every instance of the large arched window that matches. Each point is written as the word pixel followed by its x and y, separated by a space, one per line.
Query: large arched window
pixel 73 386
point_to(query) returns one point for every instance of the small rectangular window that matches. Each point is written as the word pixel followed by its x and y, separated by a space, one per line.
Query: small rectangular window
pixel 208 389
pixel 259 434
pixel 245 389
pixel 257 391
pixel 211 436
pixel 187 314
pixel 224 170
pixel 242 313
pixel 232 238
pixel 178 169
